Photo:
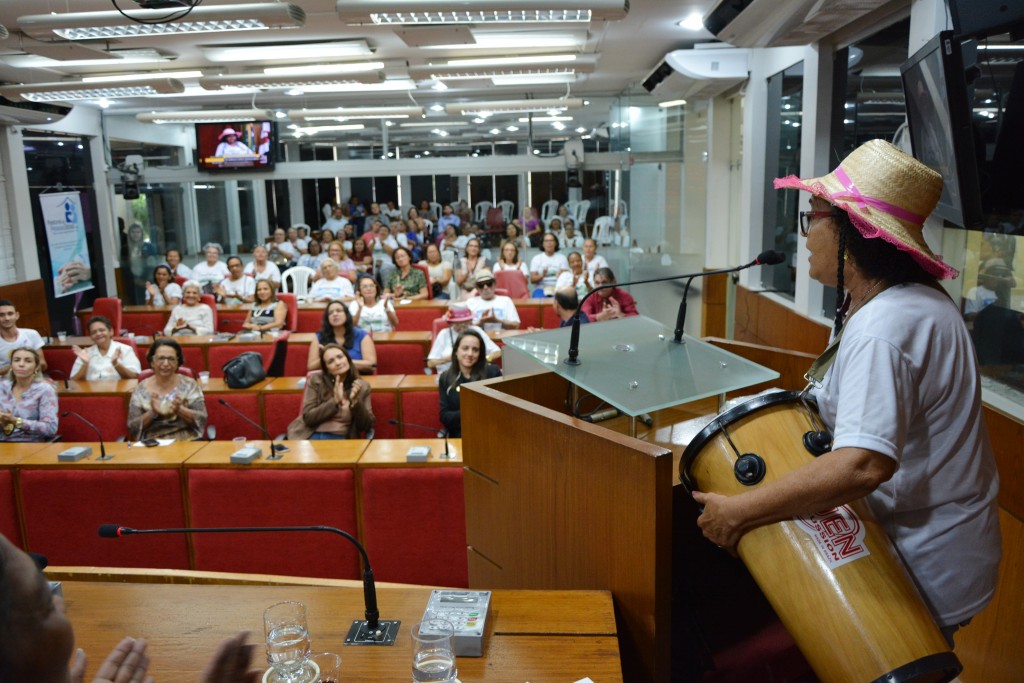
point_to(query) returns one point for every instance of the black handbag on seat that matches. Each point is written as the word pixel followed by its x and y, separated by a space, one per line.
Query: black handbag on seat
pixel 244 370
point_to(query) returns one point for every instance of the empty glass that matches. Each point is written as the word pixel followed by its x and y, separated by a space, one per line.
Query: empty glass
pixel 433 654
pixel 329 665
pixel 288 642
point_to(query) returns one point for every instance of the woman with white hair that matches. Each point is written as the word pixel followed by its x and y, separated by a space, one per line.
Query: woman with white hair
pixel 331 285
pixel 212 271
pixel 191 316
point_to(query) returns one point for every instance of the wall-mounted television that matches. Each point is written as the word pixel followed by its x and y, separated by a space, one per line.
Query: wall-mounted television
pixel 236 145
pixel 939 116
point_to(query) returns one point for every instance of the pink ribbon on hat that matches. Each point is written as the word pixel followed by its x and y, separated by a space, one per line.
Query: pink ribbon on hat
pixel 862 200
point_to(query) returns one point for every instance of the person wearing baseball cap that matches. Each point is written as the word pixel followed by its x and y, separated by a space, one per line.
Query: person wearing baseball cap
pixel 492 311
pixel 459 319
pixel 898 387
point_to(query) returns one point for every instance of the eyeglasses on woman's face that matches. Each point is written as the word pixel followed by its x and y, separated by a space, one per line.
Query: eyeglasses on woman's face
pixel 807 218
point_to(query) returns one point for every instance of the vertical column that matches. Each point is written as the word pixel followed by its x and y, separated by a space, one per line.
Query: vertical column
pixel 19 211
pixel 233 214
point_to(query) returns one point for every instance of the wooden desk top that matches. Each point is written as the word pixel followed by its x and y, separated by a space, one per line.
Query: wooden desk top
pixel 391 453
pixel 125 455
pixel 217 385
pixel 120 386
pixel 307 454
pixel 418 383
pixel 13 453
pixel 291 384
pixel 185 623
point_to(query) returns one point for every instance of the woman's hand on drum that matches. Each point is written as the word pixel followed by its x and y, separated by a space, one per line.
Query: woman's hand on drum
pixel 719 521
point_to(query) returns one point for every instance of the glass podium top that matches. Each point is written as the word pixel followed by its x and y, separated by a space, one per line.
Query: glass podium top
pixel 632 364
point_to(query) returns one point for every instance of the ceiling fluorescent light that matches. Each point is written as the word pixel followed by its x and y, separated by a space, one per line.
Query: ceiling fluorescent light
pixel 534 79
pixel 518 59
pixel 427 12
pixel 76 90
pixel 204 116
pixel 513 106
pixel 114 78
pixel 434 72
pixel 331 49
pixel 672 103
pixel 278 82
pixel 111 25
pixel 354 113
pixel 433 124
pixel 313 130
pixel 393 85
pixel 323 69
pixel 544 119
pixel 512 40
pixel 140 56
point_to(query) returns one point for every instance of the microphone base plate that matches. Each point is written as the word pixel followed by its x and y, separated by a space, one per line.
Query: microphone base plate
pixel 571 361
pixel 386 633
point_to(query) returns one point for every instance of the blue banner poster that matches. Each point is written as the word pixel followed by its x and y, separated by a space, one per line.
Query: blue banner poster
pixel 65 233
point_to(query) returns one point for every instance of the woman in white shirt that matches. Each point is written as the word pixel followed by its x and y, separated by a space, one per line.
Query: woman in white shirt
pixel 178 269
pixel 162 291
pixel 260 268
pixel 106 359
pixel 237 288
pixel 546 266
pixel 372 311
pixel 213 270
pixel 592 261
pixel 280 249
pixel 509 260
pixel 191 316
pixel 331 285
pixel 314 256
pixel 577 277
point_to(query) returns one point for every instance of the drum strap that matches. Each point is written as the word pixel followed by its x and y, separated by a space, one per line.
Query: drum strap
pixel 820 366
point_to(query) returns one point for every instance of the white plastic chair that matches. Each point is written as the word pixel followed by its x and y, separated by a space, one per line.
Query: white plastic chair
pixel 579 216
pixel 623 213
pixel 570 209
pixel 480 211
pixel 508 209
pixel 296 280
pixel 603 230
pixel 548 210
pixel 435 208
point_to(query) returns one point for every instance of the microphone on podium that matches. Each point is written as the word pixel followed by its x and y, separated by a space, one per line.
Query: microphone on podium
pixel 444 432
pixel 103 450
pixel 371 631
pixel 276 450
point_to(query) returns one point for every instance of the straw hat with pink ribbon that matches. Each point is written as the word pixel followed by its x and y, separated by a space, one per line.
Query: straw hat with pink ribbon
pixel 888 194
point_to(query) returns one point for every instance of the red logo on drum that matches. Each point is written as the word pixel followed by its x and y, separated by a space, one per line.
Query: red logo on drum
pixel 838 533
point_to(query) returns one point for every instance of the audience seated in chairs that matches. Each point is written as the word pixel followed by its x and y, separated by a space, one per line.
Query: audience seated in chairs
pixel 371 311
pixel 492 311
pixel 106 359
pixel 237 287
pixel 260 268
pixel 609 303
pixel 163 290
pixel 190 316
pixel 577 277
pixel 28 403
pixel 546 266
pixel 471 264
pixel 459 319
pixel 440 271
pixel 330 285
pixel 268 313
pixel 468 364
pixel 337 327
pixel 212 271
pixel 406 281
pixel 168 405
pixel 591 259
pixel 177 268
pixel 336 403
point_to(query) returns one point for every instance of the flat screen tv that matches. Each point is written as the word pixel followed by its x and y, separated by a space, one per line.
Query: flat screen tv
pixel 236 145
pixel 939 115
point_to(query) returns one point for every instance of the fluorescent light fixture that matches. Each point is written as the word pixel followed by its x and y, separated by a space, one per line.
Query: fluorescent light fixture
pixel 436 107
pixel 521 59
pixel 280 82
pixel 513 106
pixel 342 113
pixel 534 79
pixel 204 115
pixel 672 103
pixel 111 25
pixel 544 119
pixel 511 129
pixel 433 124
pixel 115 78
pixel 437 72
pixel 393 85
pixel 693 22
pixel 323 69
pixel 313 130
pixel 432 12
pixel 141 56
pixel 512 40
pixel 328 49
pixel 76 90
pixel 440 86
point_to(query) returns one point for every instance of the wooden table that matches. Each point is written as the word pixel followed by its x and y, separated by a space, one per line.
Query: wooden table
pixel 12 453
pixel 536 636
pixel 307 454
pixel 391 453
pixel 118 386
pixel 124 455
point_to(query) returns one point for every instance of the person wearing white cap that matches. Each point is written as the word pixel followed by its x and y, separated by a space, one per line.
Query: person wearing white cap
pixel 492 311
pixel 459 318
pixel 898 387
pixel 231 146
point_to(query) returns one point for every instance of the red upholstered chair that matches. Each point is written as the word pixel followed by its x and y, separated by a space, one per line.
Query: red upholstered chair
pixel 60 360
pixel 145 323
pixel 436 326
pixel 108 413
pixel 179 280
pixel 219 354
pixel 426 274
pixel 211 301
pixel 548 318
pixel 241 497
pixel 280 409
pixel 414 525
pixel 309 320
pixel 417 318
pixel 292 302
pixel 148 372
pixel 514 281
pixel 421 407
pixel 228 424
pixel 295 359
pixel 8 510
pixel 194 360
pixel 64 508
pixel 400 359
pixel 109 308
pixel 385 407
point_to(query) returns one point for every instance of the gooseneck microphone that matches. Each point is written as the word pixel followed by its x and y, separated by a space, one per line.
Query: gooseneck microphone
pixel 103 450
pixel 276 450
pixel 371 631
pixel 67 383
pixel 444 432
pixel 769 257
pixel 765 258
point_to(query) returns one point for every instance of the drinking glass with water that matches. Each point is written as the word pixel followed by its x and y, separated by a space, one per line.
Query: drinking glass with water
pixel 433 653
pixel 288 642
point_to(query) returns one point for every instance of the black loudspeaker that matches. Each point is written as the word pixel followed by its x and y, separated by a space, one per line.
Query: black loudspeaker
pixel 572 178
pixel 131 190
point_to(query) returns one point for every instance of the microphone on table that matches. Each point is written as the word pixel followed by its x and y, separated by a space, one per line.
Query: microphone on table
pixel 103 451
pixel 765 258
pixel 275 449
pixel 770 257
pixel 444 432
pixel 371 631
pixel 67 384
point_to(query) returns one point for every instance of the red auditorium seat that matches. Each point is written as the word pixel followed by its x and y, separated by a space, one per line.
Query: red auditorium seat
pixel 295 359
pixel 280 409
pixel 109 308
pixel 413 525
pixel 64 508
pixel 421 407
pixel 60 360
pixel 229 425
pixel 417 318
pixel 400 359
pixel 514 281
pixel 211 301
pixel 384 409
pixel 309 320
pixel 8 510
pixel 240 497
pixel 108 413
pixel 219 354
pixel 426 274
pixel 292 303
pixel 548 318
pixel 145 323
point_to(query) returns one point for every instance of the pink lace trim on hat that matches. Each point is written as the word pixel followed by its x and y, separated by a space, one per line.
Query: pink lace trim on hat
pixel 931 264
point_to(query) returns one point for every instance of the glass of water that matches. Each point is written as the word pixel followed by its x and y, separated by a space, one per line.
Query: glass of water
pixel 288 642
pixel 433 653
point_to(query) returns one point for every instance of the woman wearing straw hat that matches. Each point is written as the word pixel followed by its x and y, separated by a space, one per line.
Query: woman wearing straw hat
pixel 898 387
pixel 231 146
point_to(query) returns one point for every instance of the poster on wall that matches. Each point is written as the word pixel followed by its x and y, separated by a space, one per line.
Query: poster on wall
pixel 65 234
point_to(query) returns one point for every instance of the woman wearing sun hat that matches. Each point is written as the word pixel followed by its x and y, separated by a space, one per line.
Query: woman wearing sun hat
pixel 231 146
pixel 898 387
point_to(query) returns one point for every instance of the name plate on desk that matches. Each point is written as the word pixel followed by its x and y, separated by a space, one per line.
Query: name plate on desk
pixel 245 456
pixel 74 454
pixel 418 454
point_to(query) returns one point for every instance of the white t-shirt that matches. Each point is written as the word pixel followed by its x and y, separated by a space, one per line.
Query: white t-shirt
pixel 522 268
pixel 574 242
pixel 270 272
pixel 326 290
pixel 284 248
pixel 442 347
pixel 905 384
pixel 206 274
pixel 102 366
pixel 172 290
pixel 26 339
pixel 565 280
pixel 373 318
pixel 182 271
pixel 593 264
pixel 550 266
pixel 238 289
pixel 502 307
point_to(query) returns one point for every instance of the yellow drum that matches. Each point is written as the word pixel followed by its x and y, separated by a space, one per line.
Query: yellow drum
pixel 834 578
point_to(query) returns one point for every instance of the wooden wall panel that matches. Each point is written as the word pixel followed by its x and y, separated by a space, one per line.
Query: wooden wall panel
pixel 30 300
pixel 1007 437
pixel 760 320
